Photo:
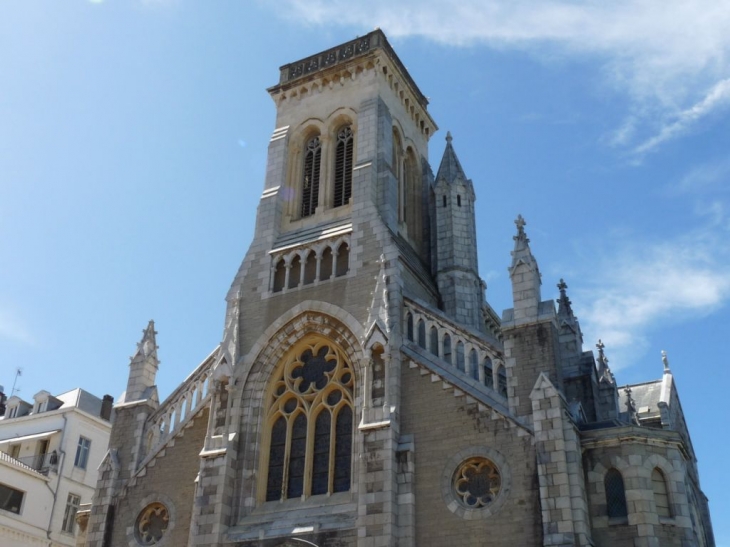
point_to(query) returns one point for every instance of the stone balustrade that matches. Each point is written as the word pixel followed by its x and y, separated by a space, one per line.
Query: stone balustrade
pixel 455 346
pixel 182 404
pixel 310 264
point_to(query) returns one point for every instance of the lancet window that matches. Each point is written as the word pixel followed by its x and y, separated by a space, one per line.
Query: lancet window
pixel 615 494
pixel 310 176
pixel 309 423
pixel 343 167
pixel 661 496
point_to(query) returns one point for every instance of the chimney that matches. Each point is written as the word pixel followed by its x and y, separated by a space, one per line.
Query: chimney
pixel 106 407
pixel 3 399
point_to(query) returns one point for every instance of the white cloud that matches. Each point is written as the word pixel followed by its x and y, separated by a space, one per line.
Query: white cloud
pixel 642 286
pixel 669 56
pixel 717 97
pixel 704 178
pixel 12 328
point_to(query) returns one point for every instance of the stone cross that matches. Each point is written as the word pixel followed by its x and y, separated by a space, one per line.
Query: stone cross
pixel 520 222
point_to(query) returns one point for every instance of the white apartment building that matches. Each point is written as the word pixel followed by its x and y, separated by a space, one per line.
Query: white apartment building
pixel 50 450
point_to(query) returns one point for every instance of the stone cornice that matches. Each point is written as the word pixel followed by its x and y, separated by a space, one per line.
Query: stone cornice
pixel 338 55
pixel 617 436
pixel 296 84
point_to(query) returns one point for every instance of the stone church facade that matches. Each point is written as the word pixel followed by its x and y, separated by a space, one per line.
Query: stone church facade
pixel 364 392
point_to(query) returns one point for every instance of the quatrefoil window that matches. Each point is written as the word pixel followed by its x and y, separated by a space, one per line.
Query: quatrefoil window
pixel 477 482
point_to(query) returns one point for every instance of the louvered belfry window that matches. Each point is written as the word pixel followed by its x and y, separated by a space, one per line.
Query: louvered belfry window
pixel 310 178
pixel 343 166
pixel 310 423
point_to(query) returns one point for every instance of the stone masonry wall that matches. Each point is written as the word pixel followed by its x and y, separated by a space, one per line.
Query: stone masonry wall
pixel 442 426
pixel 170 478
pixel 643 527
pixel 528 351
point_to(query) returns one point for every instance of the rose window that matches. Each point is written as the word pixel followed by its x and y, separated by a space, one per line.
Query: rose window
pixel 477 482
pixel 152 523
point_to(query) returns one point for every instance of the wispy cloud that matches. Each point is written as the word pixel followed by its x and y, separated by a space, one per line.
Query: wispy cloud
pixel 704 178
pixel 639 287
pixel 12 328
pixel 717 97
pixel 669 56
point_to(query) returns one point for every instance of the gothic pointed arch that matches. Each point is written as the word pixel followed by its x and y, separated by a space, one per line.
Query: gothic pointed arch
pixel 344 150
pixel 396 166
pixel 300 395
pixel 311 169
pixel 308 426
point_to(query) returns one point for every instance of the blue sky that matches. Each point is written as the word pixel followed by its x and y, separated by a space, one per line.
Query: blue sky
pixel 133 141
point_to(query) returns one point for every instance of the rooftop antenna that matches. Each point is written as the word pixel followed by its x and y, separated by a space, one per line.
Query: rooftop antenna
pixel 18 372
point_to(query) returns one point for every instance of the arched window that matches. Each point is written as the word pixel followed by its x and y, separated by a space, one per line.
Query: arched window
pixel 295 271
pixel 434 340
pixel 325 264
pixel 474 364
pixel 460 358
pixel 279 275
pixel 661 497
pixel 409 326
pixel 343 260
pixel 396 165
pixel 502 381
pixel 343 166
pixel 310 268
pixel 488 373
pixel 411 194
pixel 310 177
pixel 309 423
pixel 422 333
pixel 447 349
pixel 615 494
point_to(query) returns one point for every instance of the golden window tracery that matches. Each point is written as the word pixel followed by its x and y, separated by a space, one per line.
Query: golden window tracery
pixel 152 524
pixel 309 420
pixel 477 482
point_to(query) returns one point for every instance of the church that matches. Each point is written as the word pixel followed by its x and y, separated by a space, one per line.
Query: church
pixel 365 393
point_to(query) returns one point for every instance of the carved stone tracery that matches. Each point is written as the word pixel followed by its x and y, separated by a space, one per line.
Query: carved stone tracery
pixel 152 524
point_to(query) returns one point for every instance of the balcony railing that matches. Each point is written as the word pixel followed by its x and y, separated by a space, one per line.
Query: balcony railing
pixel 43 463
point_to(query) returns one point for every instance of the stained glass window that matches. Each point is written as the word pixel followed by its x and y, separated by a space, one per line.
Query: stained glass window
pixel 477 482
pixel 152 524
pixel 615 494
pixel 311 423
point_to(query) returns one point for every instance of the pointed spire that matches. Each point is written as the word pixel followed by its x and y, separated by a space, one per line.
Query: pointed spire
pixel 631 406
pixel 143 367
pixel 525 277
pixel 522 253
pixel 604 371
pixel 147 347
pixel 521 240
pixel 564 305
pixel 450 168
